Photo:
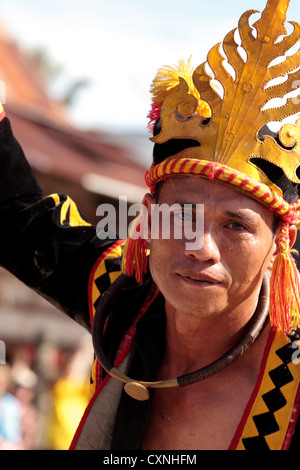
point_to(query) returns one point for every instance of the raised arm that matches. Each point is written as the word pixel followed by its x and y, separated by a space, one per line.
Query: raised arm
pixel 44 241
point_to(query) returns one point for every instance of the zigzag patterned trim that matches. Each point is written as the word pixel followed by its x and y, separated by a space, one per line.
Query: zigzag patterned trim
pixel 270 417
pixel 106 270
pixel 213 170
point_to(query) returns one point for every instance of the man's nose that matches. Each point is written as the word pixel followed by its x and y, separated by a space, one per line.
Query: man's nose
pixel 204 248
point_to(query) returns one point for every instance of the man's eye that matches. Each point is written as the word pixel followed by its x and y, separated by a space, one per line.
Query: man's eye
pixel 183 215
pixel 235 226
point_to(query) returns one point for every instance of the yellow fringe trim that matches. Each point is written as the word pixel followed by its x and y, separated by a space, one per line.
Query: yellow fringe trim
pixel 167 80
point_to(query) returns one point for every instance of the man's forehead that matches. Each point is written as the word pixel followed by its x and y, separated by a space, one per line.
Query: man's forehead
pixel 198 187
pixel 197 190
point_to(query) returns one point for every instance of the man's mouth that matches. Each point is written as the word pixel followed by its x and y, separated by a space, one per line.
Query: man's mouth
pixel 200 279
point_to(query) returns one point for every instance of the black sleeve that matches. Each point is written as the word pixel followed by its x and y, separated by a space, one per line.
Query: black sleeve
pixel 44 241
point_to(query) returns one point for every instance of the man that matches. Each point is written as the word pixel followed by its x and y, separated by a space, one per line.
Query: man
pixel 187 333
pixel 222 290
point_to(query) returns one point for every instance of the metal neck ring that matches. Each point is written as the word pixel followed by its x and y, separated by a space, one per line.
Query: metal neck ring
pixel 139 389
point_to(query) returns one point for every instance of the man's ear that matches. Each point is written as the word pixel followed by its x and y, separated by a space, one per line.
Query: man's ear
pixel 147 202
pixel 293 235
pixel 292 238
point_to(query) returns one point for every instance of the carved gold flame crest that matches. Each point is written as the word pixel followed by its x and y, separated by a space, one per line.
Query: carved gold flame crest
pixel 232 135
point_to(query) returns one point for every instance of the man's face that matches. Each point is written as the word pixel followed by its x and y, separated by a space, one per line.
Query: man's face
pixel 238 245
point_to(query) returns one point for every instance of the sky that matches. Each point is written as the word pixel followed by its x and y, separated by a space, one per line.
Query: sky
pixel 118 45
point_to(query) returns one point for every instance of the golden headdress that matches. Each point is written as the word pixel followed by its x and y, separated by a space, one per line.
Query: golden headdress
pixel 213 122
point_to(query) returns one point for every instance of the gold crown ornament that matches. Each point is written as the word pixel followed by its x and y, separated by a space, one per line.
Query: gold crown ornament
pixel 216 118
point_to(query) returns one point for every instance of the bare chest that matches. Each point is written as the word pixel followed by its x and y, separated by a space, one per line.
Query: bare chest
pixel 195 421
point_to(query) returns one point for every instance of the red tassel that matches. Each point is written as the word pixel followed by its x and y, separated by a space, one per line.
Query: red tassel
pixel 285 287
pixel 153 116
pixel 134 262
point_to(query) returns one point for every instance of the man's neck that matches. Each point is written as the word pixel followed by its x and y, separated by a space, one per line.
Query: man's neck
pixel 193 342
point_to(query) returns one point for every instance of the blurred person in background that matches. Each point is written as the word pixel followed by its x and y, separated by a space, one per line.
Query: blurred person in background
pixel 69 397
pixel 10 413
pixel 24 382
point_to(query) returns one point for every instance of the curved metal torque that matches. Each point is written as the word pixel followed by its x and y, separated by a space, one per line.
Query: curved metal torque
pixel 255 326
